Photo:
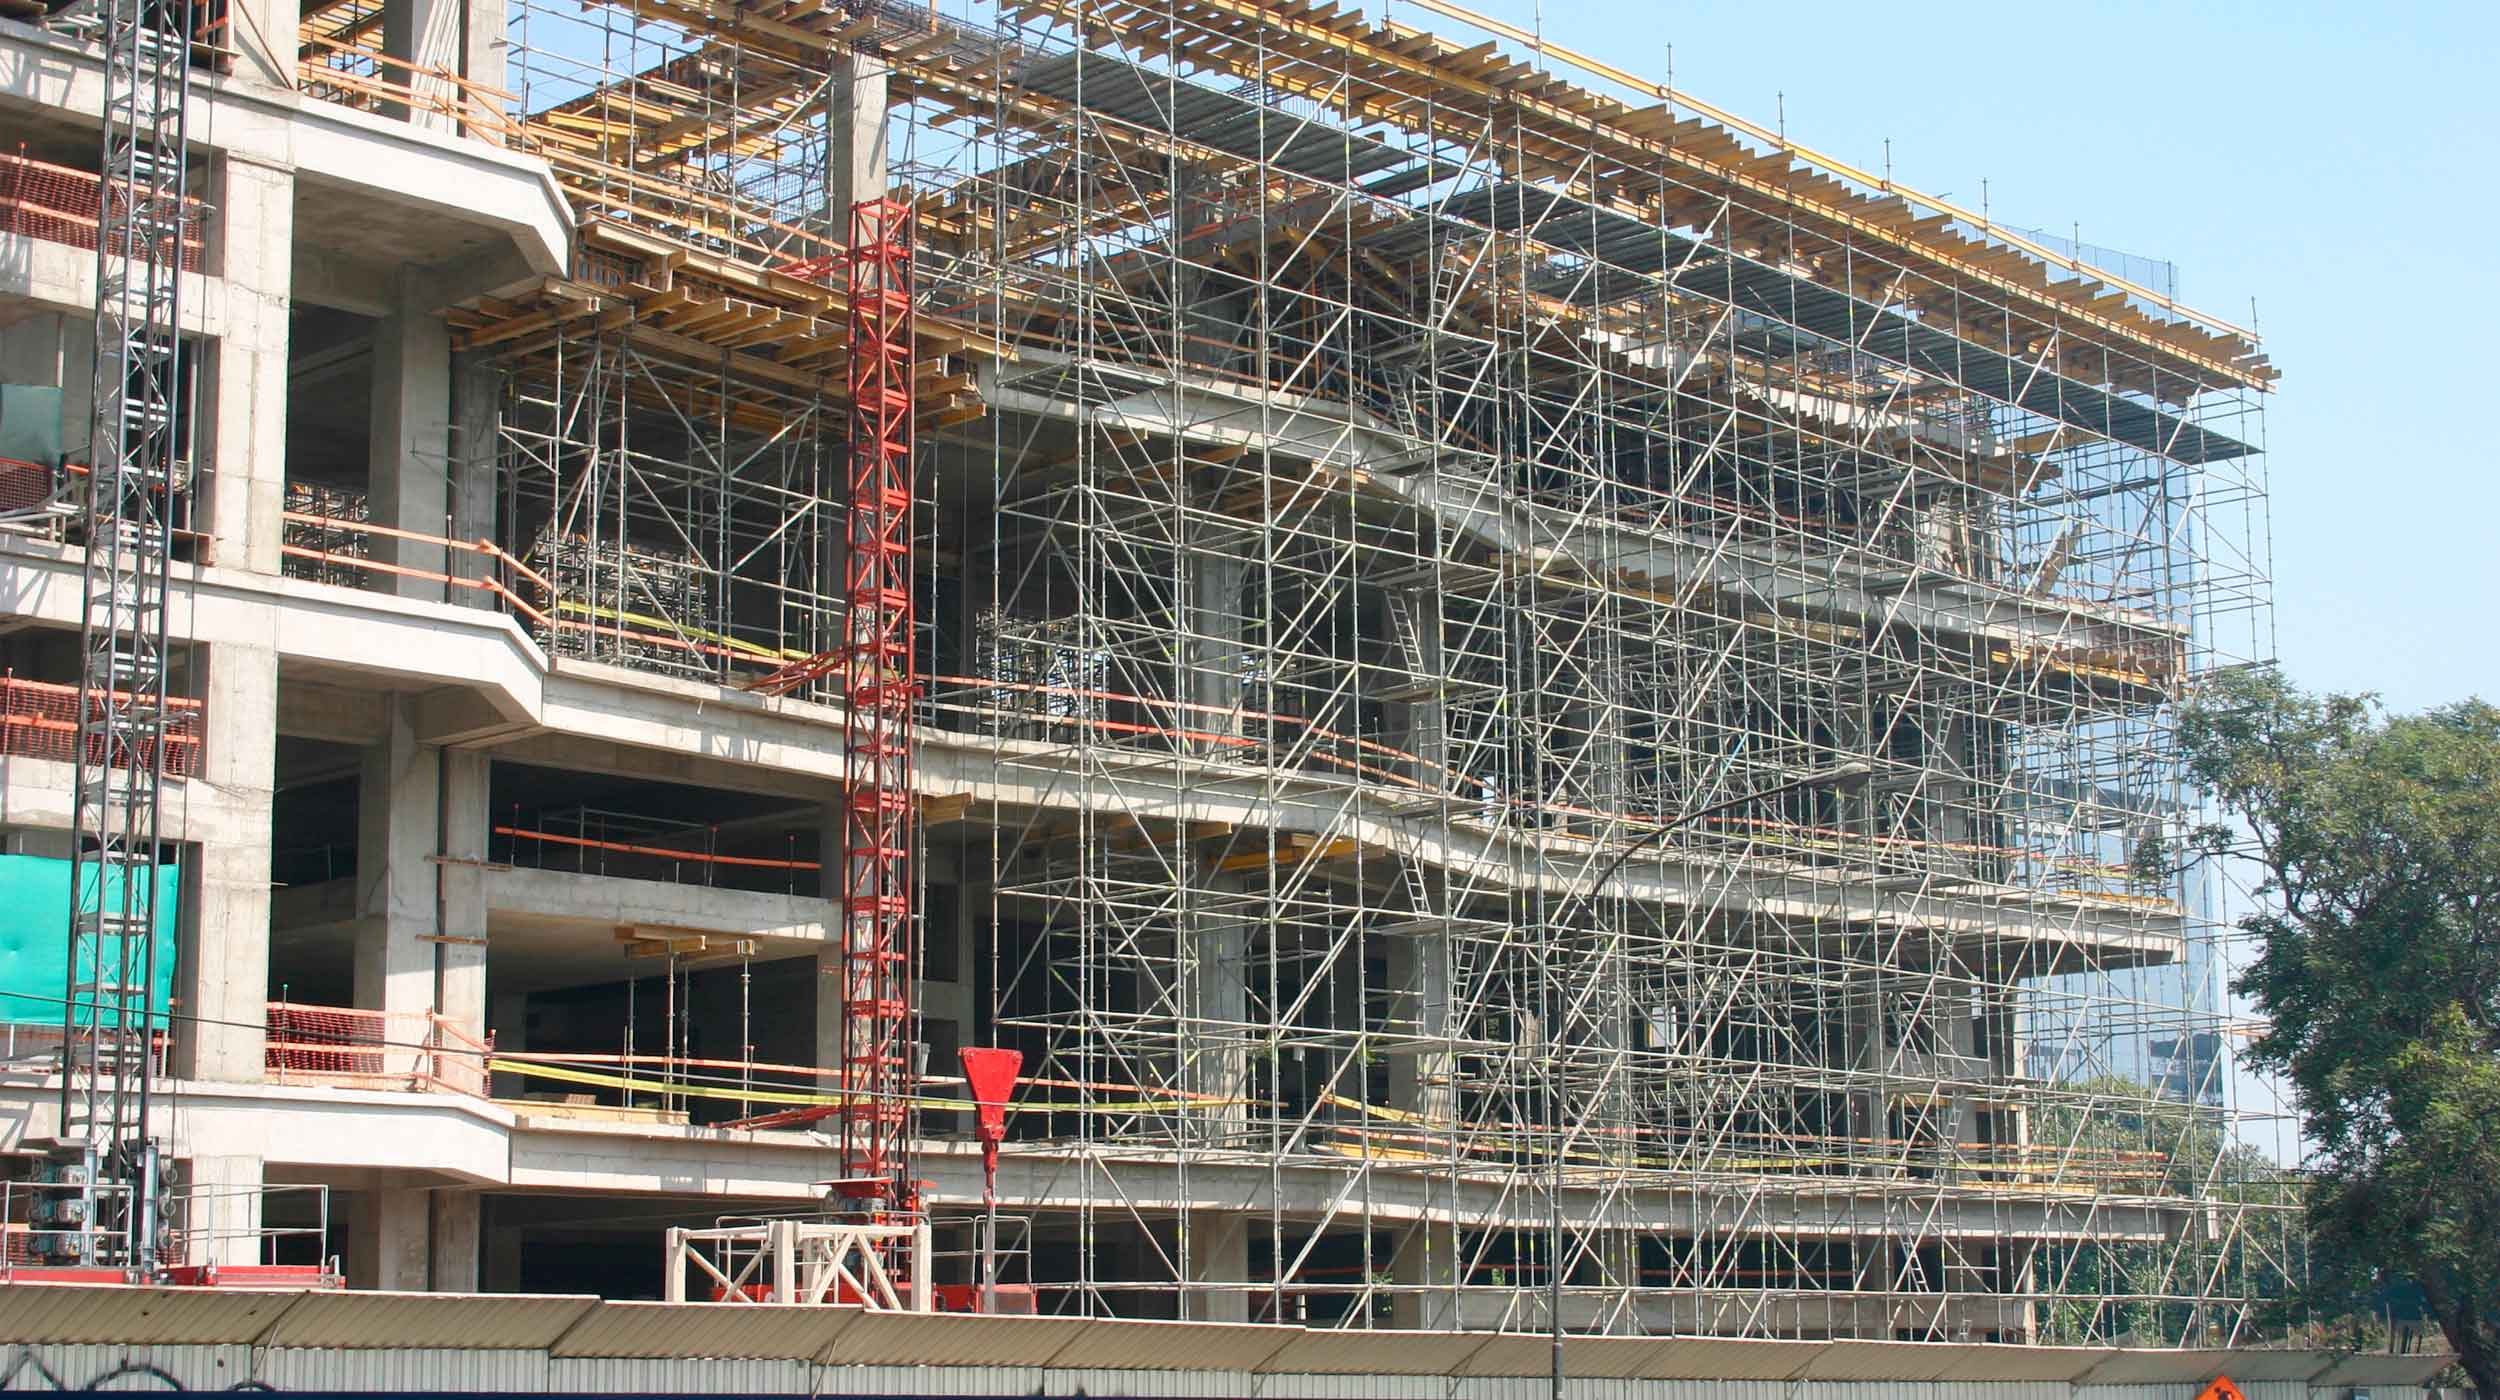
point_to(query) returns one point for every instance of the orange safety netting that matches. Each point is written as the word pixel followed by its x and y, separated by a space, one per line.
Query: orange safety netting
pixel 41 721
pixel 23 485
pixel 374 1049
pixel 60 205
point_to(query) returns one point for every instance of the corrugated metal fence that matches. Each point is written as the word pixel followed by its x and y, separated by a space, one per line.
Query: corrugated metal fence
pixel 72 1337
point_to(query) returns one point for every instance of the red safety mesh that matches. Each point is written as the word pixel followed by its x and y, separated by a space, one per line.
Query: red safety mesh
pixel 23 485
pixel 61 205
pixel 41 721
pixel 374 1049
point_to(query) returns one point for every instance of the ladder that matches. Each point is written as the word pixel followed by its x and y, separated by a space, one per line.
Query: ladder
pixel 106 1148
pixel 1418 677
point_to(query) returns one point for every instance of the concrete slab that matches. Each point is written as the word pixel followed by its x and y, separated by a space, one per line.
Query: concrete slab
pixel 393 179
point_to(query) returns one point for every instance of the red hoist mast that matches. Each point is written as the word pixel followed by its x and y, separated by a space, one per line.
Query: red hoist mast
pixel 880 684
pixel 878 674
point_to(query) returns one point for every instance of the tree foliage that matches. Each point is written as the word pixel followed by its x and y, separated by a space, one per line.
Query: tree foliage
pixel 2378 968
pixel 2136 1142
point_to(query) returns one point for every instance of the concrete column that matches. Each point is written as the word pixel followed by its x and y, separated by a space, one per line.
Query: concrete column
pixel 855 115
pixel 1861 1012
pixel 829 958
pixel 1957 1038
pixel 389 1237
pixel 462 873
pixel 262 34
pixel 1601 753
pixel 1415 642
pixel 1348 1012
pixel 456 1228
pixel 1613 1266
pixel 1206 305
pixel 459 37
pixel 476 402
pixel 1216 991
pixel 1993 1017
pixel 829 1008
pixel 420 944
pixel 1952 798
pixel 949 999
pixel 499 1263
pixel 481 58
pixel 411 446
pixel 397 806
pixel 1214 653
pixel 1217 1250
pixel 222 974
pixel 240 445
pixel 426 35
pixel 1427 1258
pixel 414 1239
pixel 1421 997
pixel 507 1018
pixel 224 1220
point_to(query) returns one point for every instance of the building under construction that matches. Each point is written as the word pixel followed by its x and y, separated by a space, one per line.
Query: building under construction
pixel 1532 706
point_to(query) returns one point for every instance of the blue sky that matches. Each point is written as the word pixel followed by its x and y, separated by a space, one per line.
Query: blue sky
pixel 2330 164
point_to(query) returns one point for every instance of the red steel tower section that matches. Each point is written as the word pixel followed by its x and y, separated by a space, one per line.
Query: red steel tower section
pixel 880 683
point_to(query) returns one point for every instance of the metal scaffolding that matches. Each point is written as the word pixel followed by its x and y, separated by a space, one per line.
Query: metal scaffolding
pixel 1384 508
pixel 111 1013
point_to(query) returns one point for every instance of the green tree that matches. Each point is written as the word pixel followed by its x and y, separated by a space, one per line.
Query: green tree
pixel 2122 1136
pixel 2378 968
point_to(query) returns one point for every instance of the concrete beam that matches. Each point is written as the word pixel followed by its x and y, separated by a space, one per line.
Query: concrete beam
pixel 310 1131
pixel 335 714
pixel 605 902
pixel 452 717
pixel 395 643
pixel 39 793
pixel 341 281
pixel 61 278
pixel 583 754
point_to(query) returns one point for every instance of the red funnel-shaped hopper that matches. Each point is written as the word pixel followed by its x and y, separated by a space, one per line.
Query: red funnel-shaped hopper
pixel 991 1075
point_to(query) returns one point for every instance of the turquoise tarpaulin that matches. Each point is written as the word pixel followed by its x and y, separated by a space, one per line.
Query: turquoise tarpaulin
pixel 34 936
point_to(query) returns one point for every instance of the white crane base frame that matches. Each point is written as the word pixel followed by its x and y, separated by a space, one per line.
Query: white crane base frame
pixel 803 1261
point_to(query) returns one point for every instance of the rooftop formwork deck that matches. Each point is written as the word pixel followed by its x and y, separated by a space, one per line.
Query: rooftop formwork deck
pixel 1373 491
